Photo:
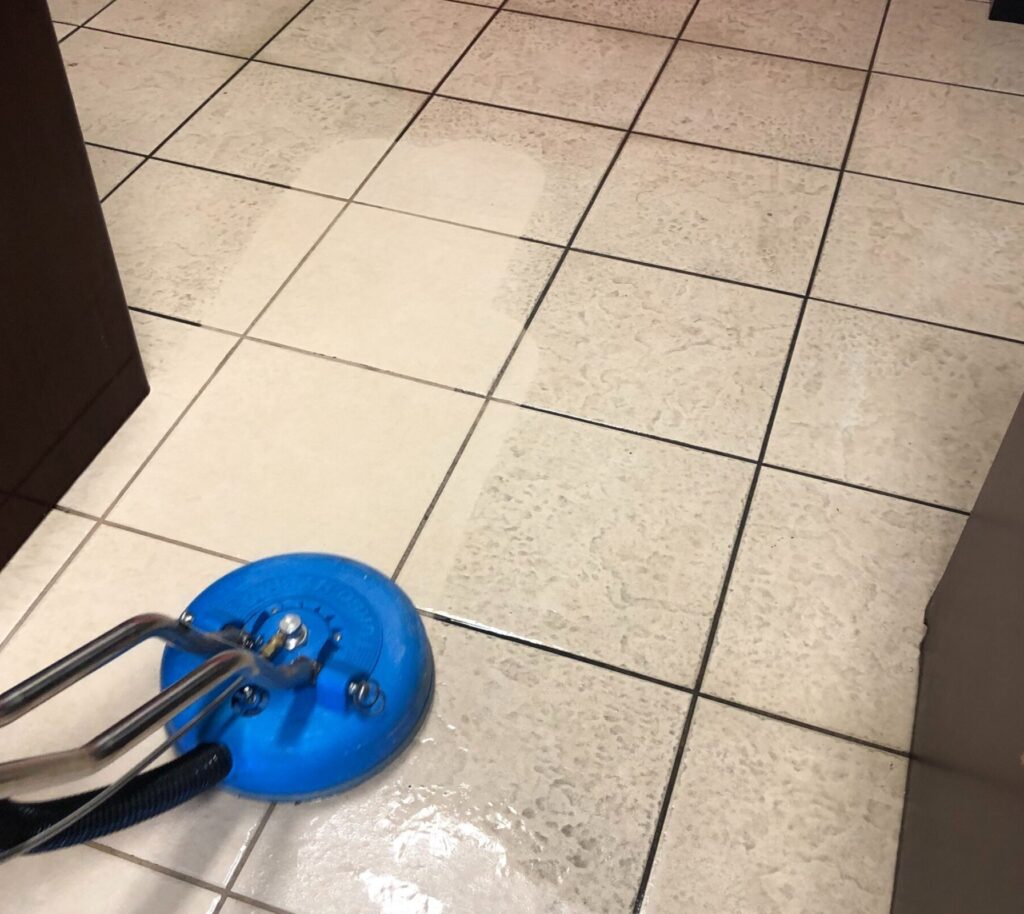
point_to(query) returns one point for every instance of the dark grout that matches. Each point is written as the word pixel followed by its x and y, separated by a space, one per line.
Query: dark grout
pixel 166 317
pixel 948 190
pixel 732 47
pixel 170 44
pixel 943 82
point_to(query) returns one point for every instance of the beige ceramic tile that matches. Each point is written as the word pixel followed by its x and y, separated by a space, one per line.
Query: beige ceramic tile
pixel 62 29
pixel 178 360
pixel 548 805
pixel 546 530
pixel 661 17
pixel 896 405
pixel 825 613
pixel 411 295
pixel 23 578
pixel 286 451
pixel 410 43
pixel 562 68
pixel 207 247
pixel 115 576
pixel 655 351
pixel 786 108
pixel 81 880
pixel 766 816
pixel 517 173
pixel 131 93
pixel 301 129
pixel 952 41
pixel 720 213
pixel 926 253
pixel 231 26
pixel 831 31
pixel 76 11
pixel 964 139
pixel 109 167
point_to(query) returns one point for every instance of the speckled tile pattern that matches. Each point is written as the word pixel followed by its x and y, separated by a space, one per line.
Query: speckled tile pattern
pixel 561 68
pixel 305 130
pixel 653 351
pixel 504 546
pixel 421 298
pixel 714 212
pixel 207 247
pixel 231 26
pixel 566 824
pixel 660 17
pixel 297 418
pixel 109 167
pixel 178 360
pixel 768 817
pixel 962 139
pixel 132 94
pixel 752 102
pixel 409 43
pixel 896 405
pixel 959 45
pixel 504 170
pixel 925 253
pixel 830 31
pixel 825 613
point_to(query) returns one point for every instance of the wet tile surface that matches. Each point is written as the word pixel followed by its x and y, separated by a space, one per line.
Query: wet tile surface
pixel 900 406
pixel 299 129
pixel 110 167
pixel 118 574
pixel 467 821
pixel 925 253
pixel 768 817
pixel 517 173
pixel 409 43
pixel 280 492
pixel 756 103
pixel 561 68
pixel 231 26
pixel 963 139
pixel 410 295
pixel 719 213
pixel 830 31
pixel 178 360
pixel 132 94
pixel 959 45
pixel 825 613
pixel 504 545
pixel 657 352
pixel 207 247
pixel 660 17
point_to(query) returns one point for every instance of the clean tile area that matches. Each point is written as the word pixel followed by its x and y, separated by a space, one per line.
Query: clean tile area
pixel 657 349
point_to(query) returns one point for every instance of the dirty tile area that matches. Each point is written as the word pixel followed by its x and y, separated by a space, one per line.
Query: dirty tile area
pixel 507 300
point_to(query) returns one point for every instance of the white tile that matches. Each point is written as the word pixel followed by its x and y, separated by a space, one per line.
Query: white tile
pixel 286 451
pixel 23 578
pixel 517 173
pixel 414 296
pixel 115 576
pixel 208 247
pixel 178 359
pixel 295 128
pixel 515 796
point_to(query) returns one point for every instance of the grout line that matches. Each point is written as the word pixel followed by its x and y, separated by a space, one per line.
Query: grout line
pixel 83 23
pixel 166 317
pixel 735 150
pixel 732 47
pixel 709 644
pixel 550 115
pixel 171 44
pixel 943 82
pixel 533 14
pixel 243 858
pixel 153 865
pixel 939 187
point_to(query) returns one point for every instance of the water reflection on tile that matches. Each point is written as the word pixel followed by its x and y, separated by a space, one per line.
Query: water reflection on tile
pixel 825 613
pixel 561 68
pixel 295 128
pixel 517 173
pixel 546 530
pixel 897 405
pixel 769 817
pixel 423 298
pixel 207 247
pixel 533 786
pixel 654 351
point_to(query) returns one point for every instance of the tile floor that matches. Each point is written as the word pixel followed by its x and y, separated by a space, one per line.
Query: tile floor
pixel 658 349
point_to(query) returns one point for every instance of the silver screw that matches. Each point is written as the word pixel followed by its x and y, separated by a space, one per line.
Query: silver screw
pixel 294 632
pixel 185 618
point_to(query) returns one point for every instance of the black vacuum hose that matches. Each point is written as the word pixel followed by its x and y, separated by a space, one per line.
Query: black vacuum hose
pixel 144 796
